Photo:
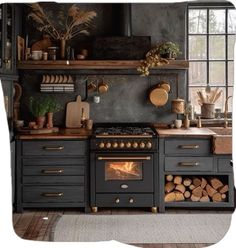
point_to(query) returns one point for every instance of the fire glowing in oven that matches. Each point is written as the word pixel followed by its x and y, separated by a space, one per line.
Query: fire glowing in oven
pixel 124 171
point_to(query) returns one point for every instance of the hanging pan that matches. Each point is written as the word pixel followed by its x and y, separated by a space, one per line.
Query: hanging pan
pixel 158 96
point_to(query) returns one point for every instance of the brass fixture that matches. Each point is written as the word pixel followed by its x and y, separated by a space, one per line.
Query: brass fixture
pixel 94 209
pixel 60 194
pixel 199 122
pixel 188 146
pixel 188 164
pixel 59 148
pixel 59 171
pixel 154 210
pixel 226 112
pixel 124 158
pixel 131 200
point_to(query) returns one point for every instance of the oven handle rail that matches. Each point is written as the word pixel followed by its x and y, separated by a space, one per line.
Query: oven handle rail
pixel 124 158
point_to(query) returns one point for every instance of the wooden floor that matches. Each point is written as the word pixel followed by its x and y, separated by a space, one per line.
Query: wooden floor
pixel 37 225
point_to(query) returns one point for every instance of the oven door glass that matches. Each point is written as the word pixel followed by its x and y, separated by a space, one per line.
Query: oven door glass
pixel 125 170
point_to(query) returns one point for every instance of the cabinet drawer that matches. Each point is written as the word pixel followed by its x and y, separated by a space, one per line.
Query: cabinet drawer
pixel 188 164
pixel 53 194
pixel 224 165
pixel 51 161
pixel 54 148
pixel 139 200
pixel 188 146
pixel 37 170
pixel 79 180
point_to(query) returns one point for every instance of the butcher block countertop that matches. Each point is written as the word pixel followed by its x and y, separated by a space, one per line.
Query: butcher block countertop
pixel 190 132
pixel 63 133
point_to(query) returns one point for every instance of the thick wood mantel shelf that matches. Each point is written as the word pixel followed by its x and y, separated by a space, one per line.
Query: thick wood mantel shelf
pixel 94 64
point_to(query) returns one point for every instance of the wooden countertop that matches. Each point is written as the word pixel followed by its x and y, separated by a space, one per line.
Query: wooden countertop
pixel 64 133
pixel 192 131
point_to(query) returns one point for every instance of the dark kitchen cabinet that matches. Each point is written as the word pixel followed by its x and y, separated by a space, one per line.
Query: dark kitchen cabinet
pixel 7 39
pixel 51 174
pixel 189 158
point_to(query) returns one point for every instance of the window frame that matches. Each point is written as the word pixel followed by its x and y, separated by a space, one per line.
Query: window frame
pixel 210 6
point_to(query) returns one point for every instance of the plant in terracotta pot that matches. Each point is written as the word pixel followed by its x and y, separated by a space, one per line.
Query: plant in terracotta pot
pixel 53 107
pixel 38 107
pixel 169 50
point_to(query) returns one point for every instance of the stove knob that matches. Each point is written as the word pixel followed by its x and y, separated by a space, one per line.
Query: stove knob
pixel 142 145
pixel 135 145
pixel 101 145
pixel 108 145
pixel 131 200
pixel 117 200
pixel 122 144
pixel 149 145
pixel 128 144
pixel 115 145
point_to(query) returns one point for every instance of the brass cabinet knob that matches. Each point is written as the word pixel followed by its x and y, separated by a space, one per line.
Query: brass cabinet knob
pixel 122 144
pixel 117 200
pixel 108 145
pixel 135 145
pixel 128 144
pixel 115 145
pixel 149 145
pixel 142 145
pixel 101 145
pixel 6 61
pixel 131 200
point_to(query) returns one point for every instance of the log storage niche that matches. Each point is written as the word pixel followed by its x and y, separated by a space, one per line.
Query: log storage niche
pixel 196 188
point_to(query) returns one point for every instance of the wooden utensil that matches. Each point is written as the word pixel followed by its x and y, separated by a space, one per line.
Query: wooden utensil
pixel 73 113
pixel 158 96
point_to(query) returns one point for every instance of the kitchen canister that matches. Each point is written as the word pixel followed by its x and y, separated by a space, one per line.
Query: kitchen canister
pixel 178 106
pixel 208 110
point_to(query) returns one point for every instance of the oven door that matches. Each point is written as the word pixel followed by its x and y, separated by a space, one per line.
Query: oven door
pixel 124 173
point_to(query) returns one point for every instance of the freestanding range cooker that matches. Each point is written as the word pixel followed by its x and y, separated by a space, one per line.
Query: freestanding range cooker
pixel 123 166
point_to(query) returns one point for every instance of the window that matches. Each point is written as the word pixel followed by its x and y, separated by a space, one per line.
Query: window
pixel 211 37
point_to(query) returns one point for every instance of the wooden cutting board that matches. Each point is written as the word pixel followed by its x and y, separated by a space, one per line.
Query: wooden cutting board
pixel 73 113
pixel 85 106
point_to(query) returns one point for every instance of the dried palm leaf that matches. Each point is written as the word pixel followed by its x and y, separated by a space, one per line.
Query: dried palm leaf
pixel 36 18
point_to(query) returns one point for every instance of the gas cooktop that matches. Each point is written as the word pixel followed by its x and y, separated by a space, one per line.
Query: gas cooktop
pixel 124 130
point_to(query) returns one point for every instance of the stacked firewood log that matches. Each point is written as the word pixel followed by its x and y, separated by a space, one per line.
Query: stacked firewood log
pixel 194 188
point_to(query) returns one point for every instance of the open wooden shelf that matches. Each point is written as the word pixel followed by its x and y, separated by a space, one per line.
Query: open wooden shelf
pixel 94 64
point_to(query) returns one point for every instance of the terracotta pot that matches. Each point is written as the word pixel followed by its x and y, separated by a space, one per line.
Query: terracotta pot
pixel 49 120
pixel 40 121
pixel 63 48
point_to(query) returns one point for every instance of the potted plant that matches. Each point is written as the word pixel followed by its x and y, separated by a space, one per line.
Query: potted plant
pixel 38 107
pixel 53 107
pixel 169 50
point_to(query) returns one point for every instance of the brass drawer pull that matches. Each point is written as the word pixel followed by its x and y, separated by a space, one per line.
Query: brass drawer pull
pixel 57 148
pixel 188 146
pixel 57 194
pixel 125 158
pixel 59 171
pixel 188 163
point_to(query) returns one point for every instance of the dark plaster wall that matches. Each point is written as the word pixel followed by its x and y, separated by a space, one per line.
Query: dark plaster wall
pixel 127 99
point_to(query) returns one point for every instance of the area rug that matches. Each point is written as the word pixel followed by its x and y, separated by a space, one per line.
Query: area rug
pixel 142 228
